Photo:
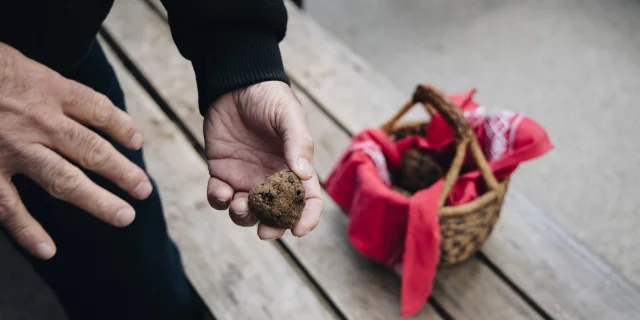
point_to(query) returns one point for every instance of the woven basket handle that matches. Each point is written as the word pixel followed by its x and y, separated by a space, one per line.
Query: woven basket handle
pixel 434 101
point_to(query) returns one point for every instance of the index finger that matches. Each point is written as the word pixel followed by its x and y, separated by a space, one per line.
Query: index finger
pixel 68 183
pixel 92 108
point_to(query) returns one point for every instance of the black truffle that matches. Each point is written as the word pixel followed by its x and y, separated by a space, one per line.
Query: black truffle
pixel 278 202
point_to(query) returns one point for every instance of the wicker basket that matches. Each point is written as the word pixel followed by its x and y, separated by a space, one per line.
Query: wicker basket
pixel 464 228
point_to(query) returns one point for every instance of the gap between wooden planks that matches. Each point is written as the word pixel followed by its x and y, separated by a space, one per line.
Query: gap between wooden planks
pixel 241 276
pixel 326 254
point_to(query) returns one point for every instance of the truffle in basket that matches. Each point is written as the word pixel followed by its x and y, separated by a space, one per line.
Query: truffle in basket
pixel 419 170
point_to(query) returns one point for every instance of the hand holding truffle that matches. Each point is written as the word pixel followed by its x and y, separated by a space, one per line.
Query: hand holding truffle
pixel 257 133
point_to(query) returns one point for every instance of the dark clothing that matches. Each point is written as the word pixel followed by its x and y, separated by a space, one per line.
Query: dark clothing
pixel 101 271
pixel 231 43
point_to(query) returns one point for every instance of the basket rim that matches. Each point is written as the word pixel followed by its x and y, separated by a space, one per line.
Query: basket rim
pixel 476 204
pixel 401 125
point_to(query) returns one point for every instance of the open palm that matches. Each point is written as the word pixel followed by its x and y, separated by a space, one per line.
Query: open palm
pixel 251 134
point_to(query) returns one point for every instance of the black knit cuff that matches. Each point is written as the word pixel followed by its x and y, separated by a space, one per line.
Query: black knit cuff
pixel 235 59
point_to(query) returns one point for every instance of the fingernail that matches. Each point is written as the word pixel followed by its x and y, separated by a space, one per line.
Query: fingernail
pixel 142 191
pixel 305 233
pixel 44 250
pixel 137 140
pixel 242 208
pixel 222 202
pixel 125 217
pixel 271 234
pixel 305 167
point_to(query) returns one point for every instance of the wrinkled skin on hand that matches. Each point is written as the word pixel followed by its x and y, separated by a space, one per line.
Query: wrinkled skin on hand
pixel 44 118
pixel 251 134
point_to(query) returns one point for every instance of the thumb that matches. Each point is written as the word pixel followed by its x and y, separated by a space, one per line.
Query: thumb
pixel 298 143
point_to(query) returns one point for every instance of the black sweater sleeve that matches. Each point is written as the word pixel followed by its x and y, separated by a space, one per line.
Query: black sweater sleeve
pixel 231 44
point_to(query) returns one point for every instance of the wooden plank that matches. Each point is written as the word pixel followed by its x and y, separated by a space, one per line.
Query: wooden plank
pixel 567 268
pixel 238 275
pixel 551 266
pixel 359 288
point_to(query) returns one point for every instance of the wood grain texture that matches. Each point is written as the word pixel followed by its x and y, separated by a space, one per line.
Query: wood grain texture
pixel 566 279
pixel 360 288
pixel 238 275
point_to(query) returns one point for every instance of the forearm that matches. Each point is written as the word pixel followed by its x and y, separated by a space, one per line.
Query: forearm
pixel 231 44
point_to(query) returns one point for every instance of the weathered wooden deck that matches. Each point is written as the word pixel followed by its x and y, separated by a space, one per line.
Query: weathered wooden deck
pixel 529 269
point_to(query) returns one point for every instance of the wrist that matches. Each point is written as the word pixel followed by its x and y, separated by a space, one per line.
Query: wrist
pixel 250 55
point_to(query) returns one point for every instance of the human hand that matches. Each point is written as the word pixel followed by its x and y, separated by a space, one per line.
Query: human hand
pixel 42 122
pixel 250 134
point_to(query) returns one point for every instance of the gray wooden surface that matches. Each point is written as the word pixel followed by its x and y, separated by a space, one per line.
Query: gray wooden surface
pixel 549 265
